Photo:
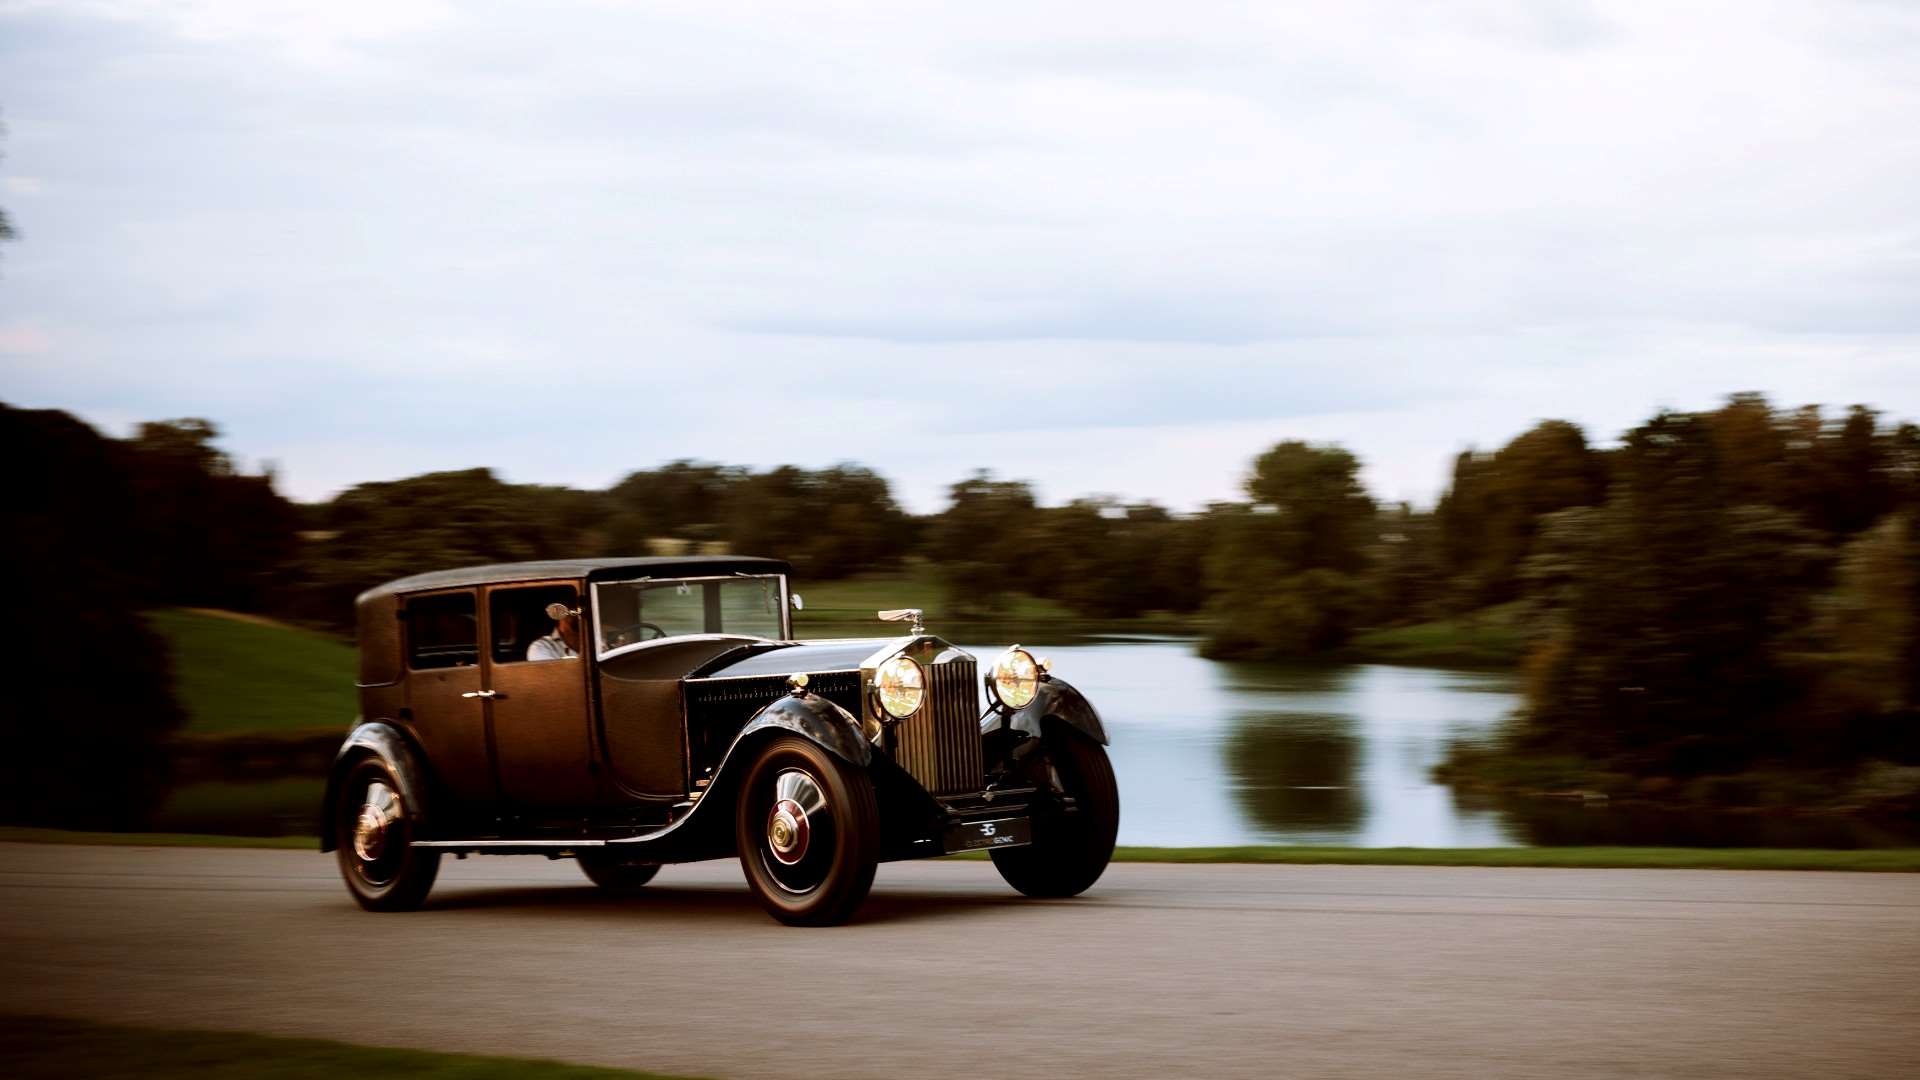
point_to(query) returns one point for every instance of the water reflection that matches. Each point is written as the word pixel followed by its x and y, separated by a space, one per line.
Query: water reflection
pixel 1296 773
pixel 1212 753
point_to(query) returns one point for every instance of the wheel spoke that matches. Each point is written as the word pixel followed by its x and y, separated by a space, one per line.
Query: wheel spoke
pixel 802 790
pixel 797 846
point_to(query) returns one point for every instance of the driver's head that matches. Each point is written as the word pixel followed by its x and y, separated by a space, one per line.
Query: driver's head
pixel 566 622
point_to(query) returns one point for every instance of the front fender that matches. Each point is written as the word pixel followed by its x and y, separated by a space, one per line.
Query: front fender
pixel 1057 698
pixel 375 738
pixel 705 835
pixel 814 718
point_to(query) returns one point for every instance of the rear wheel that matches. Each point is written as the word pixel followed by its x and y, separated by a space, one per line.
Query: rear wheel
pixel 383 871
pixel 616 872
pixel 1070 850
pixel 808 833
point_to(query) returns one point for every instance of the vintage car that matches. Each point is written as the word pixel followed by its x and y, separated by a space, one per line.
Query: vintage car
pixel 633 712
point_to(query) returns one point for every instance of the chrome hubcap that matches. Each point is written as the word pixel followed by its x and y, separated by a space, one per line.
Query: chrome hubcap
pixel 796 801
pixel 378 812
pixel 787 832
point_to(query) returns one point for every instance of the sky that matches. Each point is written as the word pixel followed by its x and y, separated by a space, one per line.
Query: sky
pixel 1104 247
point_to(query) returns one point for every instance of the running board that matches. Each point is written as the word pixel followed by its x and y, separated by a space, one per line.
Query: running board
pixel 506 845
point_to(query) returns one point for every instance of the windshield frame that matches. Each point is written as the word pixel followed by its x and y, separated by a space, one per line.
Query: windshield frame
pixel 786 610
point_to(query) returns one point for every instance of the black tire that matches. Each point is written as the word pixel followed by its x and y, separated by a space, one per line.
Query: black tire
pixel 831 834
pixel 383 871
pixel 1069 851
pixel 615 872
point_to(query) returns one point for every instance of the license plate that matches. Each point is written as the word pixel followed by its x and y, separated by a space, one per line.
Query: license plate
pixel 985 835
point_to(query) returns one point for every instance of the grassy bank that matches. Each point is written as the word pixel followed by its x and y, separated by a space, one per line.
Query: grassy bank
pixel 233 675
pixel 19 835
pixel 288 805
pixel 846 609
pixel 1906 860
pixel 44 1046
pixel 1490 638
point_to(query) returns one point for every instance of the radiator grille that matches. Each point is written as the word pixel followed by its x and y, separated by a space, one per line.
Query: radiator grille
pixel 940 745
pixel 717 710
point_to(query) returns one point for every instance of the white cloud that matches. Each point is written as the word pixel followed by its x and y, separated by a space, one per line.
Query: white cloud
pixel 1112 250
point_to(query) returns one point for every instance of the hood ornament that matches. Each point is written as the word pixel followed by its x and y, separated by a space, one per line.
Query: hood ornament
pixel 906 615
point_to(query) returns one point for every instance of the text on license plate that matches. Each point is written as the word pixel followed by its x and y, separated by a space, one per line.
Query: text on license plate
pixel 1001 832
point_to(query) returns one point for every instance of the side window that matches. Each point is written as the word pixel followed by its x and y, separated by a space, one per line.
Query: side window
pixel 442 631
pixel 521 629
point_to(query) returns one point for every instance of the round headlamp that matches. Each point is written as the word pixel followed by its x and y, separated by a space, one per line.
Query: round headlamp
pixel 900 685
pixel 1016 678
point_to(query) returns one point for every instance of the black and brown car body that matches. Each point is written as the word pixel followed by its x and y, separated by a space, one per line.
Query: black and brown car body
pixel 688 725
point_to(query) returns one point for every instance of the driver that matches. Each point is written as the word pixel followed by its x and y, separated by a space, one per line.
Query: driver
pixel 563 642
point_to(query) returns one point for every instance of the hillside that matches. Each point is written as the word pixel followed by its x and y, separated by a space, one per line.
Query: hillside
pixel 234 673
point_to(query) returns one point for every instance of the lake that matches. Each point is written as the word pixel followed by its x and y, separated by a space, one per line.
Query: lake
pixel 1222 753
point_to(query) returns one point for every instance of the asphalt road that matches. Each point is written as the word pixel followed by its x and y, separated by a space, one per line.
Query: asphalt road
pixel 1214 971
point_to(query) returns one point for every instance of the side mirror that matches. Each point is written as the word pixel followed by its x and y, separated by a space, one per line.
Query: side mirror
pixel 798 604
pixel 557 611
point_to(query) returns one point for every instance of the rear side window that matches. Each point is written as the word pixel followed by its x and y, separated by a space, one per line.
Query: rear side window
pixel 442 631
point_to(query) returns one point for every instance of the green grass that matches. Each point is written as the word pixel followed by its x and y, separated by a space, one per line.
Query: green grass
pixel 19 835
pixel 1626 858
pixel 43 1046
pixel 1903 860
pixel 1491 637
pixel 234 676
pixel 262 807
pixel 1899 860
pixel 846 608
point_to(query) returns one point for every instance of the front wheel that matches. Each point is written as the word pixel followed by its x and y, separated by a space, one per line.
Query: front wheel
pixel 1070 850
pixel 808 833
pixel 383 871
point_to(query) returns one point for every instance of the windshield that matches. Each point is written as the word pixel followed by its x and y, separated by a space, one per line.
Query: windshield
pixel 629 612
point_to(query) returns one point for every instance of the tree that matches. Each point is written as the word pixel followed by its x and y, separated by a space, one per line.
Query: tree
pixel 1408 581
pixel 1668 611
pixel 6 225
pixel 1320 513
pixel 829 523
pixel 209 535
pixel 1489 516
pixel 91 702
pixel 381 531
pixel 1284 574
pixel 979 542
pixel 686 499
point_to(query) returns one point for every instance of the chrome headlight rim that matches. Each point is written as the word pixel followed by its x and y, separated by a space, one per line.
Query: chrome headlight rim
pixel 1015 678
pixel 900 686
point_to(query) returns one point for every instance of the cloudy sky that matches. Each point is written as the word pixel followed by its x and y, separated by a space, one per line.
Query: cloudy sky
pixel 1106 247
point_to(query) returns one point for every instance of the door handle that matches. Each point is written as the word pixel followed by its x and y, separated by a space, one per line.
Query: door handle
pixel 480 693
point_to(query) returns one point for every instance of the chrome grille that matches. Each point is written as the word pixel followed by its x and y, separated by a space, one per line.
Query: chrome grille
pixel 940 745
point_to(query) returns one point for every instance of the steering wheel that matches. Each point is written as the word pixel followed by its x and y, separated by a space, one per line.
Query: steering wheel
pixel 632 632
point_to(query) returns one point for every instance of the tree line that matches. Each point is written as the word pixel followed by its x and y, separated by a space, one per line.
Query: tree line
pixel 1720 590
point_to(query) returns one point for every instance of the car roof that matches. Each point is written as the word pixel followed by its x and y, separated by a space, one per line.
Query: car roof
pixel 593 569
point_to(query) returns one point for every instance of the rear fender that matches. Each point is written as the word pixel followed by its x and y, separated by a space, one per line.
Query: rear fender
pixel 375 739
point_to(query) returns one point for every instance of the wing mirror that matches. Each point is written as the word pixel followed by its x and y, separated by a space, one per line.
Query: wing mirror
pixel 557 611
pixel 798 604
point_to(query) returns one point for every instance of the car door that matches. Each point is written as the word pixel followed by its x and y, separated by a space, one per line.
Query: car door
pixel 444 703
pixel 543 752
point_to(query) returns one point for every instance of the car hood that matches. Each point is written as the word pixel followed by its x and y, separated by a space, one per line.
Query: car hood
pixel 786 658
